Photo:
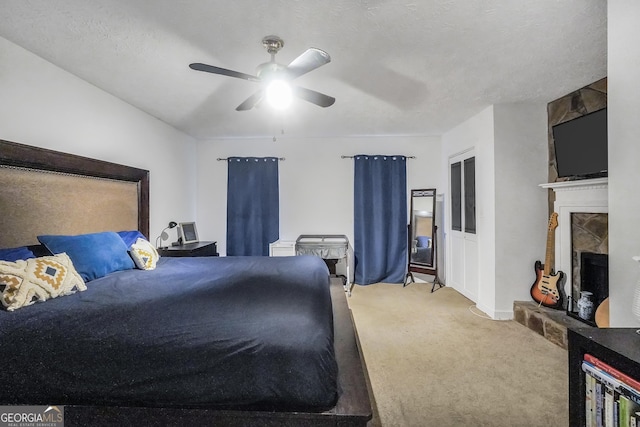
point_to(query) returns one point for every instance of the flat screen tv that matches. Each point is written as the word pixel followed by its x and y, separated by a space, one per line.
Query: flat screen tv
pixel 581 146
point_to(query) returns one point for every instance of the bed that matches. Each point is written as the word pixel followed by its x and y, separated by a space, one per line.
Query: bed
pixel 212 340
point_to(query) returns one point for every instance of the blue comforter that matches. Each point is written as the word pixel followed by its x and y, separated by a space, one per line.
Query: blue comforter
pixel 246 332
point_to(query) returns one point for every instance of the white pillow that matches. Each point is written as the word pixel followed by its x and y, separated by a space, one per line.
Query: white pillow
pixel 144 255
pixel 37 279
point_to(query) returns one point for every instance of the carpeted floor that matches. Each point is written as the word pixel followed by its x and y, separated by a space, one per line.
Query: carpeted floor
pixel 435 360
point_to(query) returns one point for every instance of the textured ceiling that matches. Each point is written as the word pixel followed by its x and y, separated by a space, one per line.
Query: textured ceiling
pixel 399 67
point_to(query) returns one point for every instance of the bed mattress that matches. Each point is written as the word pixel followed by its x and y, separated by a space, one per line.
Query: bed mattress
pixel 233 332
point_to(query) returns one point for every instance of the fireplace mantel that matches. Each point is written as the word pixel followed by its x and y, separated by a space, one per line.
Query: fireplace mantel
pixel 584 196
pixel 578 185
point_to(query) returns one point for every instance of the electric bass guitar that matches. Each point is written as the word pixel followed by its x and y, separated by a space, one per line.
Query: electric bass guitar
pixel 545 289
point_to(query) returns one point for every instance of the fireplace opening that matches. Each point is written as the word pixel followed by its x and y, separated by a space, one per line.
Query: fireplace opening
pixel 594 275
pixel 594 278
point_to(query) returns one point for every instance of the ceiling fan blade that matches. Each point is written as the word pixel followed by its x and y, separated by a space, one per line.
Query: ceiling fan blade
pixel 311 59
pixel 251 101
pixel 314 97
pixel 223 71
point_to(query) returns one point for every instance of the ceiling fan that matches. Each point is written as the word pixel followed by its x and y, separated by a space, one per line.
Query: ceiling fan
pixel 275 78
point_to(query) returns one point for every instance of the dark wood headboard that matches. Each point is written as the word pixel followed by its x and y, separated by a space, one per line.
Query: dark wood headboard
pixel 25 157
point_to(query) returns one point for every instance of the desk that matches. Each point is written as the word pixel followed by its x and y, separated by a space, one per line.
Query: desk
pixel 327 246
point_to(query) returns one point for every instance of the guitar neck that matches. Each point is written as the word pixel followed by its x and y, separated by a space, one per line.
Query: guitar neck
pixel 547 258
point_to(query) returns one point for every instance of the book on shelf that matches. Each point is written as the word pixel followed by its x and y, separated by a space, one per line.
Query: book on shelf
pixel 631 382
pixel 608 406
pixel 599 404
pixel 628 410
pixel 590 400
pixel 611 400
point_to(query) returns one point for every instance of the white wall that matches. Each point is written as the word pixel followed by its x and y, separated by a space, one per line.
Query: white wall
pixel 510 145
pixel 316 184
pixel 521 206
pixel 44 106
pixel 624 158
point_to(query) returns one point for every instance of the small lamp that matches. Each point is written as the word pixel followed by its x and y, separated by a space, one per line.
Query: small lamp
pixel 164 235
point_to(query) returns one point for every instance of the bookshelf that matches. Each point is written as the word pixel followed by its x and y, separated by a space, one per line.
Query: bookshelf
pixel 616 347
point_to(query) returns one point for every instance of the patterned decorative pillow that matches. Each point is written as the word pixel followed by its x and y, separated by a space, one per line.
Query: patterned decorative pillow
pixel 144 255
pixel 37 279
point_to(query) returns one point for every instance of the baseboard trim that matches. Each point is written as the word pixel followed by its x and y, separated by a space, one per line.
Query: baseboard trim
pixel 496 314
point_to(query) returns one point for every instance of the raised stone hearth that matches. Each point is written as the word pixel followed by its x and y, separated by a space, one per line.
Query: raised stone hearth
pixel 551 324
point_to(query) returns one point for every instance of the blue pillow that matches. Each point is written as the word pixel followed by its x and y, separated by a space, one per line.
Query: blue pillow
pixel 15 254
pixel 423 241
pixel 130 237
pixel 93 255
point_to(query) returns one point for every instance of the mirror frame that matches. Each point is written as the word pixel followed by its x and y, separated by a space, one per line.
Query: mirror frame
pixel 420 267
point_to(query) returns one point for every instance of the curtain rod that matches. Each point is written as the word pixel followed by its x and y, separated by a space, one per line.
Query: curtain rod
pixel 224 158
pixel 390 155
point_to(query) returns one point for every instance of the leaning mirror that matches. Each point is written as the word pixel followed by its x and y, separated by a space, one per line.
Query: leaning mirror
pixel 422 245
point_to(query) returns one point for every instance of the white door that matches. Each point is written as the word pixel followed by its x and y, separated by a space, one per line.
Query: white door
pixel 463 255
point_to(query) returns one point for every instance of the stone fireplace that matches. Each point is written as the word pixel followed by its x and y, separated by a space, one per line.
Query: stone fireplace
pixel 582 207
pixel 582 236
pixel 590 250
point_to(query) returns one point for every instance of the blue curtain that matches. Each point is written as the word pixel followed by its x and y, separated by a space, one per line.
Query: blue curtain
pixel 380 219
pixel 252 205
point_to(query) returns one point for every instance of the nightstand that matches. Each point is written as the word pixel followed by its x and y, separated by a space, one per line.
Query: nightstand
pixel 282 248
pixel 190 249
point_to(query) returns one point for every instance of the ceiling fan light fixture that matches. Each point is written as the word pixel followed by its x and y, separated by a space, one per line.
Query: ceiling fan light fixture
pixel 275 78
pixel 279 94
